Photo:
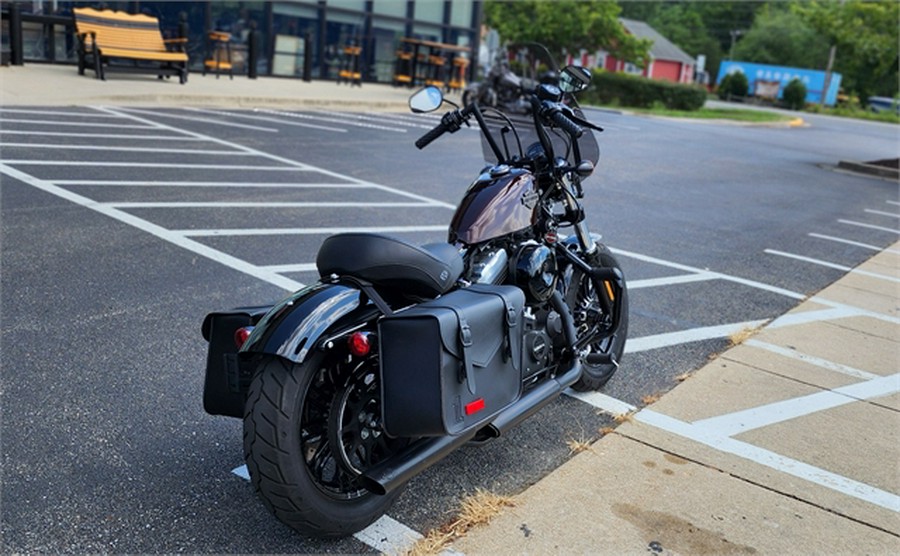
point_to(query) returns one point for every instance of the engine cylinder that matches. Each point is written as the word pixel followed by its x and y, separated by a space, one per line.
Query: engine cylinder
pixel 490 267
pixel 535 271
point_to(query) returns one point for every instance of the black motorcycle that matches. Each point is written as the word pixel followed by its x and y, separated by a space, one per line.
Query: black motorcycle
pixel 504 89
pixel 401 354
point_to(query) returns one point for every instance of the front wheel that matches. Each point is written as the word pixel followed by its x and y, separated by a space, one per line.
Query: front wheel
pixel 310 431
pixel 591 321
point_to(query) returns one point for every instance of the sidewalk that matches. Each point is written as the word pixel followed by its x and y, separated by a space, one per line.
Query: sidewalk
pixel 786 444
pixel 56 85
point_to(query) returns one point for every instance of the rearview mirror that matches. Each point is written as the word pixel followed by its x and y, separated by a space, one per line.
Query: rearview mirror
pixel 574 79
pixel 424 100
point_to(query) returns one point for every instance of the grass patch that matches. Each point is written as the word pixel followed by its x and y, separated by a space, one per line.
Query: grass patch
pixel 733 114
pixel 578 446
pixel 477 509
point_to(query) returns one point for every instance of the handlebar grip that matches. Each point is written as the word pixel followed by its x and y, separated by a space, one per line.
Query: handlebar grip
pixel 433 134
pixel 568 125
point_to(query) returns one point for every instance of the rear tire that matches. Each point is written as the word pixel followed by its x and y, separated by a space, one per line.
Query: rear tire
pixel 582 300
pixel 305 447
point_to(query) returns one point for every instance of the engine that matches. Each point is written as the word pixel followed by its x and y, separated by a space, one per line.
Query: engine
pixel 535 271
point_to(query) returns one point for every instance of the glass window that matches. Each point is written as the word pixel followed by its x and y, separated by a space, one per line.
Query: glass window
pixel 291 24
pixel 461 13
pixel 431 11
pixel 386 35
pixel 427 32
pixel 358 5
pixel 394 8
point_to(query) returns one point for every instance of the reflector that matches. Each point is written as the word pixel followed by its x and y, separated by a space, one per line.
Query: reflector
pixel 241 335
pixel 358 344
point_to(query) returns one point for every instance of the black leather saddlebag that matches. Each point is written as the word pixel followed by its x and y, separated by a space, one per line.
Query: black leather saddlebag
pixel 452 363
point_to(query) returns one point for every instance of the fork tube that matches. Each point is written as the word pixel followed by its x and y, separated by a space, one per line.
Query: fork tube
pixel 582 232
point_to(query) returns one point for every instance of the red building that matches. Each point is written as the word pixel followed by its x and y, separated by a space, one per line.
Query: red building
pixel 667 61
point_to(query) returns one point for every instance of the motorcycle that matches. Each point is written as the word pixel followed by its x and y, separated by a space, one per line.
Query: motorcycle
pixel 502 88
pixel 401 354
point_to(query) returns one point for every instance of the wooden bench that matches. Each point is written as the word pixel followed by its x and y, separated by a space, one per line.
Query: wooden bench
pixel 119 41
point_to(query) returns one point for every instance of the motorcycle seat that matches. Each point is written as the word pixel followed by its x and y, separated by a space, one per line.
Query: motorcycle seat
pixel 427 271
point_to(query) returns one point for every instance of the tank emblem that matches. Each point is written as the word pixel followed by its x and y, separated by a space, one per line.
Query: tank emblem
pixel 530 198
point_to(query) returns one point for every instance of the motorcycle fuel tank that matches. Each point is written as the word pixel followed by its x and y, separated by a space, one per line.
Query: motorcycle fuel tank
pixel 502 200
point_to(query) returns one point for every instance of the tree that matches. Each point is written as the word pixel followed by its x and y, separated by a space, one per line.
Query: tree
pixel 781 37
pixel 566 25
pixel 866 38
pixel 794 94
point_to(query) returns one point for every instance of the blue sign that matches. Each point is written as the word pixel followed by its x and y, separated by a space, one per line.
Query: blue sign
pixel 813 79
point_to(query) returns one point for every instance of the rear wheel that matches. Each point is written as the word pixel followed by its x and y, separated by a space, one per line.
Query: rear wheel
pixel 590 320
pixel 310 431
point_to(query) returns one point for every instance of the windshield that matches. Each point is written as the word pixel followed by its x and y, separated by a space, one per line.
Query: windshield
pixel 533 64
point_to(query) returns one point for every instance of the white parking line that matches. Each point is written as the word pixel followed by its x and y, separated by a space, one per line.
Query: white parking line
pixel 833 265
pixel 286 160
pixel 100 135
pixel 671 280
pixel 855 243
pixel 770 459
pixel 67 113
pixel 181 166
pixel 122 149
pixel 76 124
pixel 818 362
pixel 719 275
pixel 883 213
pixel 201 120
pixel 308 231
pixel 739 422
pixel 323 118
pixel 278 121
pixel 284 268
pixel 264 204
pixel 120 183
pixel 869 226
pixel 158 231
pixel 646 343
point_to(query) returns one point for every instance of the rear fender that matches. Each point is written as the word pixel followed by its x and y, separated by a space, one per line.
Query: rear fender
pixel 290 329
pixel 293 327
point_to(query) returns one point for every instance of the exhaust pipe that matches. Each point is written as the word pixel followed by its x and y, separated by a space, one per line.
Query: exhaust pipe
pixel 532 402
pixel 417 457
pixel 390 474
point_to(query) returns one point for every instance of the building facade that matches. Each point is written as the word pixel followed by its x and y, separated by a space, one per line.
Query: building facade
pixel 667 61
pixel 288 39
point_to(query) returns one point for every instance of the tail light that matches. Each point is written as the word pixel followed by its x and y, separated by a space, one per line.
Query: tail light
pixel 359 344
pixel 241 335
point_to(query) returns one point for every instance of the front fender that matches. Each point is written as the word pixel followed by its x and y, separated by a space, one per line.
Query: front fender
pixel 293 327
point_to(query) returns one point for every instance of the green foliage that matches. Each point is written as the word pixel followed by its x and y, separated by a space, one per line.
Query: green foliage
pixel 794 94
pixel 566 25
pixel 733 85
pixel 865 35
pixel 621 89
pixel 782 38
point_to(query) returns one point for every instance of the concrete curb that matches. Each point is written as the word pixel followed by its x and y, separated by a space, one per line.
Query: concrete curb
pixel 869 169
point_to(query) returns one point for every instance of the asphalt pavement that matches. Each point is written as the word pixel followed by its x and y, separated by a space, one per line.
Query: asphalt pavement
pixel 786 443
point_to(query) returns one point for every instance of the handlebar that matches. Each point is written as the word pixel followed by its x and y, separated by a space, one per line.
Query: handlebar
pixel 451 121
pixel 558 117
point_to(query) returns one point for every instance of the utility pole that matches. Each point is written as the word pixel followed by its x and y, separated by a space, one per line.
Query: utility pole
pixel 831 54
pixel 735 33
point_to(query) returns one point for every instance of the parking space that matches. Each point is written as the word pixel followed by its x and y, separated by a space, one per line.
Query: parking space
pixel 218 184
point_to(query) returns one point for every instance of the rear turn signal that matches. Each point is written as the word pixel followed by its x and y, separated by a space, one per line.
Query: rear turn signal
pixel 241 335
pixel 358 344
